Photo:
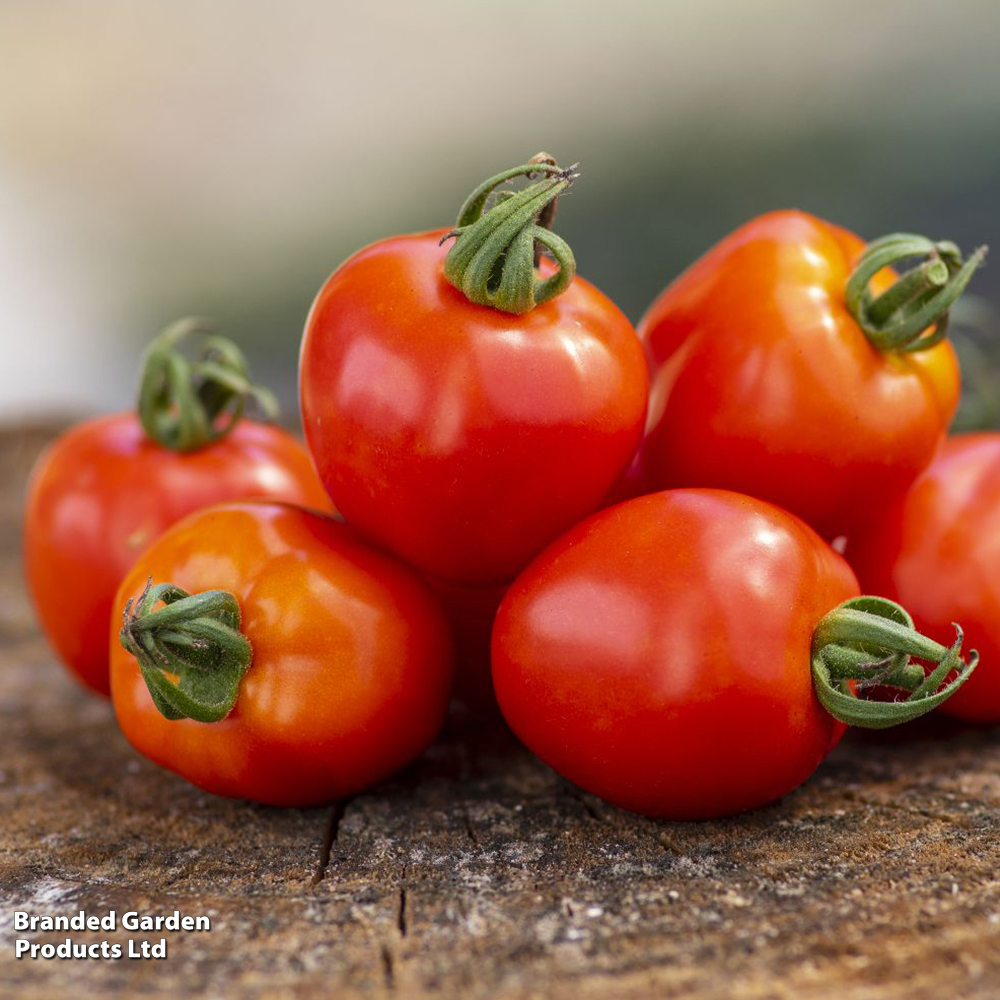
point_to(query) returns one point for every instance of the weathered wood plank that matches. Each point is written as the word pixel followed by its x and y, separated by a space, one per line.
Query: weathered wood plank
pixel 478 873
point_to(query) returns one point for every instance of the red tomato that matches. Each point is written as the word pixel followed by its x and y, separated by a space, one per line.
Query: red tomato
pixel 351 665
pixel 938 551
pixel 470 612
pixel 460 437
pixel 633 483
pixel 658 655
pixel 764 382
pixel 102 492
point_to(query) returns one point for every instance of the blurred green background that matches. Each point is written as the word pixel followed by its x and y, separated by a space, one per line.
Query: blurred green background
pixel 222 158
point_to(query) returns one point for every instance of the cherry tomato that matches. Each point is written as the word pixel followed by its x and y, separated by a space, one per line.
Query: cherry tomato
pixel 767 380
pixel 658 654
pixel 107 487
pixel 938 551
pixel 461 437
pixel 351 659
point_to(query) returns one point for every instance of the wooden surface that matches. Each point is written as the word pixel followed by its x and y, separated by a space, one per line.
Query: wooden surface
pixel 478 873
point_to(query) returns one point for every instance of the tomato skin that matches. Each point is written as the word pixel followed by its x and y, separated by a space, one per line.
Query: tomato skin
pixel 352 662
pixel 632 484
pixel 937 552
pixel 764 383
pixel 103 491
pixel 462 438
pixel 470 611
pixel 658 654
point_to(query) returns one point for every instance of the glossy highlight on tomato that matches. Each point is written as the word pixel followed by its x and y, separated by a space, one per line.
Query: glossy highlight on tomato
pixel 658 654
pixel 351 668
pixel 764 382
pixel 937 550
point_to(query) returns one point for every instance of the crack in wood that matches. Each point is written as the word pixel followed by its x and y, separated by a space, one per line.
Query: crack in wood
pixel 388 968
pixel 329 839
pixel 401 913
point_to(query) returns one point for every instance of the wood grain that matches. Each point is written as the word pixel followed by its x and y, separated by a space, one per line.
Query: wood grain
pixel 478 873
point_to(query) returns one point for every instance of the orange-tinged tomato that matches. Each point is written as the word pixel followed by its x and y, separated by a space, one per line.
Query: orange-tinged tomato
pixel 104 491
pixel 764 382
pixel 352 661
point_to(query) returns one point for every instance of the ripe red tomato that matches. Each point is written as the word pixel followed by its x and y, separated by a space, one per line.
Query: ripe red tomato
pixel 470 611
pixel 658 654
pixel 460 437
pixel 103 491
pixel 765 382
pixel 938 551
pixel 351 659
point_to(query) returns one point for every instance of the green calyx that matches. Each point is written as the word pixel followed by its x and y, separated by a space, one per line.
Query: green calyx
pixel 183 404
pixel 867 642
pixel 191 652
pixel 494 259
pixel 900 319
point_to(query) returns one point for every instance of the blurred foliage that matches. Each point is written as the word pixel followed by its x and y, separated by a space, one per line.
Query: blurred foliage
pixel 223 159
pixel 634 235
pixel 975 332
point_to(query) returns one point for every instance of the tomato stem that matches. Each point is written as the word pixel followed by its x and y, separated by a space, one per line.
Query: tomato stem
pixel 493 261
pixel 191 652
pixel 899 319
pixel 547 216
pixel 867 642
pixel 184 405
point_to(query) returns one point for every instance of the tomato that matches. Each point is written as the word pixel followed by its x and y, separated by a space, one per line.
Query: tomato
pixel 351 659
pixel 769 379
pixel 658 654
pixel 938 551
pixel 105 489
pixel 470 611
pixel 461 437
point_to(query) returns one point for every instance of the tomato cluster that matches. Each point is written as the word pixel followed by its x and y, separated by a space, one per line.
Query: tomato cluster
pixel 622 538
